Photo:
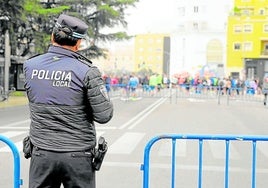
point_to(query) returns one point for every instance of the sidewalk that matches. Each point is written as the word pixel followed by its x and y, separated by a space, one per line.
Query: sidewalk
pixel 14 101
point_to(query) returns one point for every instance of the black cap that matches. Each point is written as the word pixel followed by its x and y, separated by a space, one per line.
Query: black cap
pixel 77 26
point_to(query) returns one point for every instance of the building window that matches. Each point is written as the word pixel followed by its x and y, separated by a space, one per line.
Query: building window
pixel 195 9
pixel 158 41
pixel 237 29
pixel 237 46
pixel 181 11
pixel 248 11
pixel 265 48
pixel 150 40
pixel 262 11
pixel 181 27
pixel 248 28
pixel 247 46
pixel 265 28
pixel 150 49
pixel 195 25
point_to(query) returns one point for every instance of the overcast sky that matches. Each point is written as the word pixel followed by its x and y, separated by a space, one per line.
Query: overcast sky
pixel 151 16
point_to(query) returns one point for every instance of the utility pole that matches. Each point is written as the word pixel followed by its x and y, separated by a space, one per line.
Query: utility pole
pixel 7 63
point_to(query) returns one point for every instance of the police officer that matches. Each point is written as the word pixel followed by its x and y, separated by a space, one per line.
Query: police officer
pixel 66 96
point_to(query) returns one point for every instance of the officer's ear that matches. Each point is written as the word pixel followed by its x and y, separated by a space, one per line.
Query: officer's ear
pixel 52 38
pixel 77 44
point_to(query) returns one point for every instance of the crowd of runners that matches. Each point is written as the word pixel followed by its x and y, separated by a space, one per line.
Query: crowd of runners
pixel 156 82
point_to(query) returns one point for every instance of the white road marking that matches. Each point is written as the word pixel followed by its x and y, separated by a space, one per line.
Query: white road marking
pixel 14 128
pixel 138 118
pixel 166 148
pixel 99 133
pixel 126 143
pixel 18 123
pixel 262 147
pixel 7 148
pixel 196 100
pixel 218 150
pixel 211 168
pixel 10 134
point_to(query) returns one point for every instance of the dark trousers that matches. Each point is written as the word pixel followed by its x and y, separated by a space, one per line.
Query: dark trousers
pixel 50 169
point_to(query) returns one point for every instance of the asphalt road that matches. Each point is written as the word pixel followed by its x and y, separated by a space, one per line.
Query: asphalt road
pixel 136 122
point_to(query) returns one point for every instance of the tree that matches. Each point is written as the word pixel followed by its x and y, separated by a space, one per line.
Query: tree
pixel 98 14
pixel 41 20
pixel 10 11
pixel 31 22
pixel 10 16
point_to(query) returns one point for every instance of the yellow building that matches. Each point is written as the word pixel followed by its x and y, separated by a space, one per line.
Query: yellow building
pixel 247 39
pixel 152 52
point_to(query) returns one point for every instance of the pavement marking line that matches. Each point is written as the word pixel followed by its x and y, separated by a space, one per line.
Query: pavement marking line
pixel 14 128
pixel 212 168
pixel 196 100
pixel 135 118
pixel 262 147
pixel 7 148
pixel 126 143
pixel 18 123
pixel 114 98
pixel 217 147
pixel 166 148
pixel 99 133
pixel 10 134
pixel 121 164
pixel 146 114
pixel 105 128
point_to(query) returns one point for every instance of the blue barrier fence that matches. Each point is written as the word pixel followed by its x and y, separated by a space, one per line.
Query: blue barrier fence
pixel 145 167
pixel 16 157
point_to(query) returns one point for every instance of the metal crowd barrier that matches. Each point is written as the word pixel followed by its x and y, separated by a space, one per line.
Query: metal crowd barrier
pixel 183 91
pixel 144 91
pixel 219 94
pixel 145 167
pixel 16 157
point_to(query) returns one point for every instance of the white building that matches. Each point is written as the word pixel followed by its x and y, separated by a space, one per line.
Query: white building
pixel 199 40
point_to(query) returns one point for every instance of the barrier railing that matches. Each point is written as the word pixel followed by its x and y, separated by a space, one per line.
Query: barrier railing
pixel 219 94
pixel 144 91
pixel 16 157
pixel 145 167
